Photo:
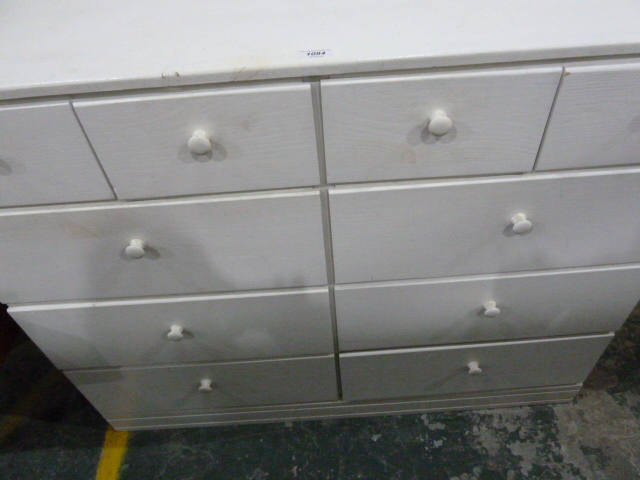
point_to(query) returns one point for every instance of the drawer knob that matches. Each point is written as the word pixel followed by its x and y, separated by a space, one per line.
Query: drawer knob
pixel 440 124
pixel 474 368
pixel 136 248
pixel 199 143
pixel 176 333
pixel 205 386
pixel 521 224
pixel 491 310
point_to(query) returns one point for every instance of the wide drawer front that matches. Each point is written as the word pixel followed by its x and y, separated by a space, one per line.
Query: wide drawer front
pixel 596 118
pixel 483 308
pixel 451 124
pixel 171 330
pixel 191 246
pixel 490 225
pixel 127 392
pixel 205 141
pixel 45 157
pixel 469 368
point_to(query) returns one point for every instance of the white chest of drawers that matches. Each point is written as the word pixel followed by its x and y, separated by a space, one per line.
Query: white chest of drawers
pixel 396 222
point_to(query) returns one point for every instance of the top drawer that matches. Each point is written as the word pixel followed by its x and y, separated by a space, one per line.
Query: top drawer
pixel 249 139
pixel 381 128
pixel 45 158
pixel 596 118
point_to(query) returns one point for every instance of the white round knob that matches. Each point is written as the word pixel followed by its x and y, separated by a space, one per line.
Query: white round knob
pixel 440 124
pixel 176 333
pixel 136 248
pixel 491 310
pixel 199 143
pixel 521 224
pixel 474 368
pixel 205 386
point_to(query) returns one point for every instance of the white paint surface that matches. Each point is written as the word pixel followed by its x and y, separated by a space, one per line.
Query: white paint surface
pixel 379 128
pixel 130 392
pixel 308 411
pixel 77 46
pixel 45 157
pixel 215 328
pixel 261 137
pixel 193 246
pixel 463 227
pixel 444 370
pixel 443 311
pixel 596 119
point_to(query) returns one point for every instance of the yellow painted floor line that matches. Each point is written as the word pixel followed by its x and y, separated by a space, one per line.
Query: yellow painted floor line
pixel 113 452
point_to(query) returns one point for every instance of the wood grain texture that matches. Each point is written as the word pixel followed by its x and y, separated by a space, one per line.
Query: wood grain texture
pixel 596 118
pixel 418 313
pixel 45 158
pixel 125 392
pixel 263 137
pixel 376 128
pixel 441 229
pixel 443 370
pixel 194 246
pixel 216 327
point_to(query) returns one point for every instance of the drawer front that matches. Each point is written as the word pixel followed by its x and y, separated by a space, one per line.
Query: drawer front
pixel 194 246
pixel 134 392
pixel 596 118
pixel 417 313
pixel 442 229
pixel 443 370
pixel 258 138
pixel 380 128
pixel 181 330
pixel 45 157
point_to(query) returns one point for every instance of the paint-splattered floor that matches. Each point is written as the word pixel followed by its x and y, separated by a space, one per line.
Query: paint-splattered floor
pixel 48 431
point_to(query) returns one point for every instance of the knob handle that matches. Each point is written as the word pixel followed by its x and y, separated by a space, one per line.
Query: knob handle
pixel 205 386
pixel 474 368
pixel 440 124
pixel 136 248
pixel 199 143
pixel 490 309
pixel 521 224
pixel 176 333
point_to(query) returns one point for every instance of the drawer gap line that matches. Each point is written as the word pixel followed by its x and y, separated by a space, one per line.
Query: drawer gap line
pixel 328 248
pixel 95 155
pixel 479 343
pixel 549 118
pixel 316 103
pixel 165 298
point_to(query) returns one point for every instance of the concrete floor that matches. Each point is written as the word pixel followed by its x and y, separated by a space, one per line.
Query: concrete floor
pixel 48 431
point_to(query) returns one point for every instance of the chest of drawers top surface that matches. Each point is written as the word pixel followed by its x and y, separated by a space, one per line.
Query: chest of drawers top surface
pixel 53 48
